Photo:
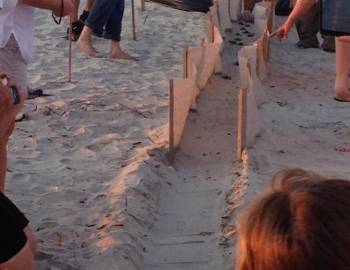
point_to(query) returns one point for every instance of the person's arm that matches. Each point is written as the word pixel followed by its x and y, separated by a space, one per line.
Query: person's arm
pixel 5 103
pixel 8 112
pixel 54 5
pixel 22 260
pixel 300 9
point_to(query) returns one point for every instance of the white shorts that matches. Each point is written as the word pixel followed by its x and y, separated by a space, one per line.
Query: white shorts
pixel 12 62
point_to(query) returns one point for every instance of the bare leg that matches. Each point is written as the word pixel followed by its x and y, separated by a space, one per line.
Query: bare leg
pixel 88 5
pixel 342 88
pixel 75 12
pixel 85 42
pixel 116 52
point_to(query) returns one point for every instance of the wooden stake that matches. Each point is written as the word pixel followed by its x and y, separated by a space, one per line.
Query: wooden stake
pixel 133 19
pixel 270 21
pixel 185 63
pixel 143 5
pixel 216 3
pixel 241 122
pixel 266 45
pixel 211 33
pixel 70 37
pixel 171 119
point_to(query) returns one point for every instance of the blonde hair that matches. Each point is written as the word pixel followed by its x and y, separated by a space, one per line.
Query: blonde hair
pixel 301 222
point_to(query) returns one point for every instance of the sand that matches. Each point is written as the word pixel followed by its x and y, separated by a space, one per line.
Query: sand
pixel 89 168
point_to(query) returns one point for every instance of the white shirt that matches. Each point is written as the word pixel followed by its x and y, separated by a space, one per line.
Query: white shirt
pixel 6 5
pixel 17 21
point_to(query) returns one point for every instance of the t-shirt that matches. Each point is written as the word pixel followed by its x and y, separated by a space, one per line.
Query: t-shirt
pixel 6 5
pixel 18 22
pixel 12 223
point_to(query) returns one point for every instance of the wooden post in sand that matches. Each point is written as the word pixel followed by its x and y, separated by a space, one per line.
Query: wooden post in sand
pixel 171 121
pixel 211 35
pixel 143 5
pixel 266 45
pixel 70 37
pixel 270 18
pixel 185 63
pixel 241 122
pixel 133 19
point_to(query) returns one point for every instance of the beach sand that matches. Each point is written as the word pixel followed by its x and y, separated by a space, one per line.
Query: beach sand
pixel 89 170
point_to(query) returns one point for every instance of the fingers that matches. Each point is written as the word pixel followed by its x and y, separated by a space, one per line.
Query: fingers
pixel 282 33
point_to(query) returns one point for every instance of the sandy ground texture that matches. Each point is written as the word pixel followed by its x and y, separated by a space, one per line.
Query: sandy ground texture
pixel 85 167
pixel 302 124
pixel 88 166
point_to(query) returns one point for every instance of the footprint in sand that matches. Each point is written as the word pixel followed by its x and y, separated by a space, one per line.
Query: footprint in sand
pixel 343 148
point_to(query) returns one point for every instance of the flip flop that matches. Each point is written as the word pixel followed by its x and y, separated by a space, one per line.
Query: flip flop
pixel 341 100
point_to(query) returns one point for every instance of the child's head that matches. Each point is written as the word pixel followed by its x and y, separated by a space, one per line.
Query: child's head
pixel 302 222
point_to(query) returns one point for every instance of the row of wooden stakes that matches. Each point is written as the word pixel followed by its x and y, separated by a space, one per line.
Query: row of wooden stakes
pixel 252 65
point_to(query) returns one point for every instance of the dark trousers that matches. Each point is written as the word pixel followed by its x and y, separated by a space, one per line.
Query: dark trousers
pixel 309 26
pixel 108 14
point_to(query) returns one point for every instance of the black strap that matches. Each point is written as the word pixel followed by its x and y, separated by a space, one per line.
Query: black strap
pixel 59 20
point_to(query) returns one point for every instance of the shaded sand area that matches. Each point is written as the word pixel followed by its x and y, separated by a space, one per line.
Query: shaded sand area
pixel 302 124
pixel 89 170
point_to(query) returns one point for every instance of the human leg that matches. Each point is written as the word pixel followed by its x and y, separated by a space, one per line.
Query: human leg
pixel 342 87
pixel 87 8
pixel 113 32
pixel 308 27
pixel 84 42
pixel 101 11
pixel 328 44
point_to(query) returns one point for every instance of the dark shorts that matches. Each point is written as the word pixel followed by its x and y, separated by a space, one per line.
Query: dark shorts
pixel 12 223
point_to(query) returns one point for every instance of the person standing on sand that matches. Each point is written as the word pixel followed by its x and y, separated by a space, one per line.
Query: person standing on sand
pixel 17 34
pixel 108 14
pixel 18 242
pixel 342 85
pixel 308 27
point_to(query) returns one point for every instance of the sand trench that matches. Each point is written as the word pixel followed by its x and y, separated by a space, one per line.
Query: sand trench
pixel 89 170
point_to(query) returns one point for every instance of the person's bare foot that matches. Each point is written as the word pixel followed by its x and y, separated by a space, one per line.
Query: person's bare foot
pixel 343 96
pixel 121 55
pixel 116 52
pixel 84 42
pixel 344 148
pixel 87 48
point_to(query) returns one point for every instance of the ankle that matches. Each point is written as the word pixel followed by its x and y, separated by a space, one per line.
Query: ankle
pixel 84 15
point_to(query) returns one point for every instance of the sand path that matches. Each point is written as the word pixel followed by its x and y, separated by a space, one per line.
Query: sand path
pixel 187 234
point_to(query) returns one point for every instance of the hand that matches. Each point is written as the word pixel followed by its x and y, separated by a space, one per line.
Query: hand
pixel 247 16
pixel 282 32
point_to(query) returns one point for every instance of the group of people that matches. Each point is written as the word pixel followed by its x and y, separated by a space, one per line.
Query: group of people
pixel 102 18
pixel 305 15
pixel 299 223
pixel 16 31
